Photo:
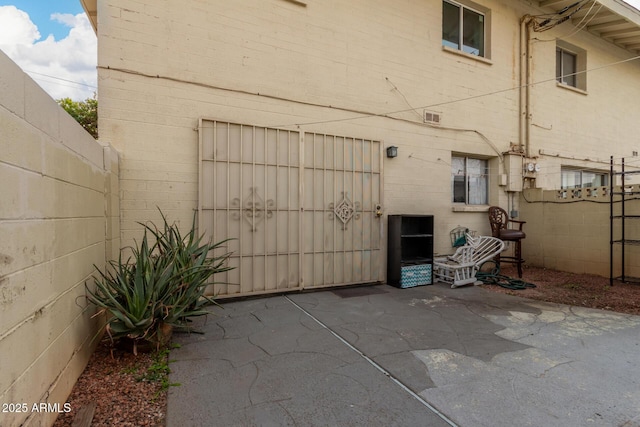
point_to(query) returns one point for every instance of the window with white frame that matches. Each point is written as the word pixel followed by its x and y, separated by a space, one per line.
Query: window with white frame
pixel 464 28
pixel 579 178
pixel 571 63
pixel 469 180
pixel 566 67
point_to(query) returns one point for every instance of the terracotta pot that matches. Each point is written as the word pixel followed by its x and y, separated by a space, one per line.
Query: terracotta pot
pixel 160 339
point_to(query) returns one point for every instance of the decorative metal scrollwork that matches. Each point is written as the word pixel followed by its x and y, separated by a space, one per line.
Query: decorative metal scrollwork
pixel 253 209
pixel 345 210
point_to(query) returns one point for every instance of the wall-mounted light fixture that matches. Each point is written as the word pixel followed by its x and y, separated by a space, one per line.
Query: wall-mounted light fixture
pixel 392 151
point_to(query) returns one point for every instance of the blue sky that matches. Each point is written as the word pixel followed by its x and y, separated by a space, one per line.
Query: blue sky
pixel 40 13
pixel 53 42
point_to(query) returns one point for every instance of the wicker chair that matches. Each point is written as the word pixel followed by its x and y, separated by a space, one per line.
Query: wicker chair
pixel 460 268
pixel 508 230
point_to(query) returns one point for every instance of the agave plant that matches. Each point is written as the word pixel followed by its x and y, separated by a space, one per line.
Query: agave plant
pixel 159 287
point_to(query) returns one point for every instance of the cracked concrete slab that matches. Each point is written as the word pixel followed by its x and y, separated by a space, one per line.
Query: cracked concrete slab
pixel 426 356
pixel 274 365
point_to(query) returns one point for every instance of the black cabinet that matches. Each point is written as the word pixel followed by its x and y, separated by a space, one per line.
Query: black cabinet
pixel 410 250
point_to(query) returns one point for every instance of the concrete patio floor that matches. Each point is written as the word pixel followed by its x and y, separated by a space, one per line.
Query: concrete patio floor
pixel 425 356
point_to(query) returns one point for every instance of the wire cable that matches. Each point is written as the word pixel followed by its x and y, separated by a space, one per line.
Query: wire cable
pixel 61 79
pixel 359 114
pixel 578 26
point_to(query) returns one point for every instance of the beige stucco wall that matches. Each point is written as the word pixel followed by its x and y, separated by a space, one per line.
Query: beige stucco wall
pixel 568 233
pixel 362 68
pixel 59 217
pixel 571 231
pixel 582 129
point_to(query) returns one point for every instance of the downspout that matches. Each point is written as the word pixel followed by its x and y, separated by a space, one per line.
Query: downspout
pixel 525 84
pixel 524 109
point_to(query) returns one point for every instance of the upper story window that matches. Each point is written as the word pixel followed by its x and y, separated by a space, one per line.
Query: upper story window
pixel 578 178
pixel 571 64
pixel 464 28
pixel 470 180
pixel 566 67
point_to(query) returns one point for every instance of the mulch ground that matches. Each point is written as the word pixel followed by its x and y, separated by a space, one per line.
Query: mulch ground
pixel 116 383
pixel 583 290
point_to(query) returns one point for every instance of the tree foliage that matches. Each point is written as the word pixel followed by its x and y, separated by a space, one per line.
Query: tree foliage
pixel 84 112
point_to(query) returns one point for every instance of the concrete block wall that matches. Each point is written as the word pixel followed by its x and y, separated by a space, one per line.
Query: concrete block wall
pixel 277 64
pixel 59 216
pixel 570 231
pixel 582 129
pixel 363 68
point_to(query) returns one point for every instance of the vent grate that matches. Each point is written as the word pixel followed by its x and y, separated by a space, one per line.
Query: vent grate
pixel 432 117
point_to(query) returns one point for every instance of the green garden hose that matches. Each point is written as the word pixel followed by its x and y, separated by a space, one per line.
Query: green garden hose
pixel 491 276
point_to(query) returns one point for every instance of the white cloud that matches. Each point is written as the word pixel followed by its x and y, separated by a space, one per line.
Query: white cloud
pixel 17 28
pixel 72 58
pixel 634 3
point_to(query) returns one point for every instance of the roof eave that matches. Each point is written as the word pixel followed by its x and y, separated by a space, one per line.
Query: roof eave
pixel 612 20
pixel 91 9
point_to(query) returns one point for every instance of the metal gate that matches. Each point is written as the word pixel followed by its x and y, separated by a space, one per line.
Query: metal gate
pixel 302 209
